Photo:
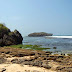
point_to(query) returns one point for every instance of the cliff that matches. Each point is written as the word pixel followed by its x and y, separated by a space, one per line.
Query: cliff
pixel 39 34
pixel 9 38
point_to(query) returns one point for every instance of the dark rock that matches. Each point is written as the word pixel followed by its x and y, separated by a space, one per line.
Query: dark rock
pixel 58 56
pixel 24 54
pixel 19 38
pixel 2 69
pixel 45 58
pixel 20 55
pixel 64 69
pixel 2 52
pixel 1 42
pixel 7 52
pixel 14 61
pixel 39 53
pixel 9 38
pixel 47 54
pixel 32 53
pixel 13 38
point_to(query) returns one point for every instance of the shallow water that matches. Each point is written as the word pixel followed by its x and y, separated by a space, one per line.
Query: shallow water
pixel 63 44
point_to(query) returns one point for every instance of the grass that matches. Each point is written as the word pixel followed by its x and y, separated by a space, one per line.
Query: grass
pixel 33 47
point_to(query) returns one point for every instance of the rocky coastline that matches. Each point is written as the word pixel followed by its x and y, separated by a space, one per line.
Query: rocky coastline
pixel 17 59
pixel 33 58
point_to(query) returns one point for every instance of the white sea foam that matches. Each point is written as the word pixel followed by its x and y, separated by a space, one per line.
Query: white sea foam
pixel 58 37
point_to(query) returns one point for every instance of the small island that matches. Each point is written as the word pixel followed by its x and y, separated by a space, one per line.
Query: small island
pixel 39 34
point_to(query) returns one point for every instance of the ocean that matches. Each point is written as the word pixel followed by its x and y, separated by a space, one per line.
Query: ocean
pixel 62 44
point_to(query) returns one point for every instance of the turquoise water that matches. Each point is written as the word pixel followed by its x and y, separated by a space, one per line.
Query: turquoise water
pixel 62 45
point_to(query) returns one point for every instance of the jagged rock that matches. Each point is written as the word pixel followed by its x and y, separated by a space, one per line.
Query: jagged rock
pixel 9 38
pixel 18 37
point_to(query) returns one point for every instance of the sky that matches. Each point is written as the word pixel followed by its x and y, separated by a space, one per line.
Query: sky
pixel 28 16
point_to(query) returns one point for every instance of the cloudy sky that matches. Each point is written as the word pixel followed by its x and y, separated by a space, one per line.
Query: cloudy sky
pixel 28 16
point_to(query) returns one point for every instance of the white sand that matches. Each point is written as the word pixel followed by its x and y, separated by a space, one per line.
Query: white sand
pixel 24 68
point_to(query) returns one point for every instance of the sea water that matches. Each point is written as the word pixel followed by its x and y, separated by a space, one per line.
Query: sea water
pixel 63 45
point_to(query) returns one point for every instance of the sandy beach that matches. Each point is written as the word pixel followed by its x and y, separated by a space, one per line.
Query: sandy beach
pixel 24 68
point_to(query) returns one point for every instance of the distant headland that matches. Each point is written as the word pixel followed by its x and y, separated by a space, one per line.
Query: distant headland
pixel 39 34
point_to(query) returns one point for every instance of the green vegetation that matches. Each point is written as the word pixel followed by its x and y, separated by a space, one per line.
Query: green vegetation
pixel 33 47
pixel 3 30
pixel 3 27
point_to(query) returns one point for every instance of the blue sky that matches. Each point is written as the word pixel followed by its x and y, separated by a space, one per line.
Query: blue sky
pixel 27 16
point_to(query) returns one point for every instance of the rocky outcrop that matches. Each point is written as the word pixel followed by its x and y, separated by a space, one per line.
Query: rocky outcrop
pixel 9 38
pixel 39 34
